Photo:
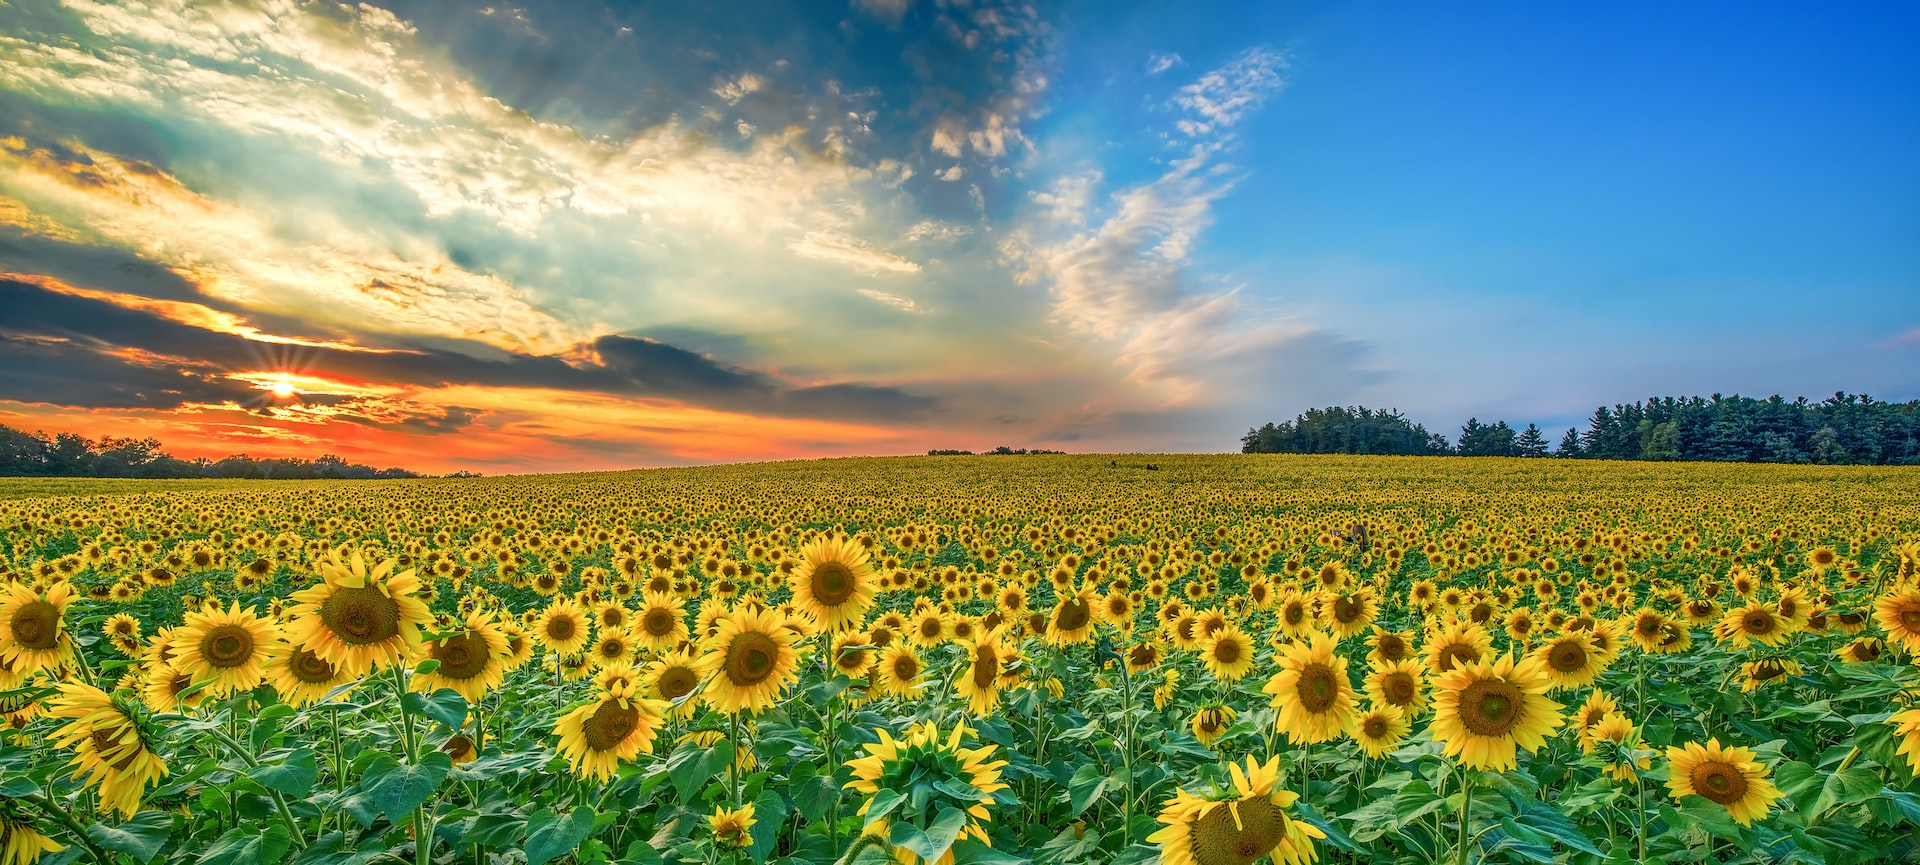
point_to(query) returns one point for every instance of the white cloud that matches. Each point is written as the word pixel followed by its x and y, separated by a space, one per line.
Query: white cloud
pixel 849 251
pixel 951 174
pixel 904 304
pixel 737 89
pixel 1158 63
pixel 1069 199
pixel 1223 96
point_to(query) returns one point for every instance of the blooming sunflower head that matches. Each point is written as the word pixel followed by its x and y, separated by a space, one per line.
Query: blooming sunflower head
pixel 1485 712
pixel 612 728
pixel 1239 826
pixel 1731 777
pixel 359 618
pixel 749 661
pixel 834 583
pixel 1312 692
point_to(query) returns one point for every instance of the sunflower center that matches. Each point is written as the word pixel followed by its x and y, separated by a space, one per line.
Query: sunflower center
pixel 462 656
pixel 986 666
pixel 1398 687
pixel 1226 652
pixel 613 648
pixel 36 625
pixel 1758 622
pixel 561 628
pixel 1458 653
pixel 1345 610
pixel 905 668
pixel 1909 619
pixel 458 747
pixel 227 646
pixel 1866 651
pixel 658 622
pixel 1375 727
pixel 1317 688
pixel 930 627
pixel 1220 839
pixel 1295 614
pixel 751 658
pixel 1567 657
pixel 1490 707
pixel 610 725
pixel 1720 782
pixel 833 584
pixel 309 668
pixel 361 616
pixel 1074 614
pixel 1392 647
pixel 676 682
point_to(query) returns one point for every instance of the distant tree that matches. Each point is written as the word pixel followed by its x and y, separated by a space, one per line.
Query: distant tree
pixel 1486 440
pixel 73 455
pixel 1570 445
pixel 1531 443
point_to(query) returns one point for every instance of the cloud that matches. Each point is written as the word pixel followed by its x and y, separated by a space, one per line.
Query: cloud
pixel 903 304
pixel 849 251
pixel 1158 63
pixel 1223 96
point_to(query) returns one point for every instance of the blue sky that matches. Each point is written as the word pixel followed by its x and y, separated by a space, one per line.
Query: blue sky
pixel 475 235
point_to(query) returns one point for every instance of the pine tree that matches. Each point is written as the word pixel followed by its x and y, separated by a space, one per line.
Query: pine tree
pixel 1531 443
pixel 1570 446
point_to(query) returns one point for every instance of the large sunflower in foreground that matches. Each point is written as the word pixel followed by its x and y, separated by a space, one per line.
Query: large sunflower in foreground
pixel 1731 777
pixel 112 749
pixel 223 648
pixel 834 583
pixel 1485 710
pixel 32 635
pixel 1570 660
pixel 969 775
pixel 1236 828
pixel 613 728
pixel 1899 614
pixel 749 661
pixel 1312 692
pixel 563 627
pixel 472 659
pixel 1228 653
pixel 359 619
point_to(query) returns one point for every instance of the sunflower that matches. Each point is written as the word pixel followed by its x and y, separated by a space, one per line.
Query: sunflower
pixel 1312 692
pixel 662 622
pixel 1388 646
pixel 1765 671
pixel 1295 614
pixel 1072 619
pixel 613 646
pixel 929 628
pixel 299 676
pixel 1380 729
pixel 672 677
pixel 472 659
pixel 1485 710
pixel 1461 642
pixel 1755 622
pixel 1228 653
pixel 164 689
pixel 21 843
pixel 853 653
pixel 112 748
pixel 1349 613
pixel 1732 778
pixel 732 828
pixel 1400 684
pixel 563 627
pixel 359 619
pixel 979 684
pixel 1238 827
pixel 899 671
pixel 1898 614
pixel 965 777
pixel 1144 655
pixel 749 661
pixel 1599 704
pixel 612 728
pixel 223 648
pixel 1906 726
pixel 835 582
pixel 1211 721
pixel 32 633
pixel 1618 743
pixel 1865 650
pixel 1570 660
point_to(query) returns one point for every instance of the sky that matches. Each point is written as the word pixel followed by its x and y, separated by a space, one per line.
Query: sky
pixel 565 236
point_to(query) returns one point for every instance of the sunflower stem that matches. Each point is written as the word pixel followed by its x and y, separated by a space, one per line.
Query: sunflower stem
pixel 279 801
pixel 1466 816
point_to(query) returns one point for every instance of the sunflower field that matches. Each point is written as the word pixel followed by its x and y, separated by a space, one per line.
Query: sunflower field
pixel 1196 660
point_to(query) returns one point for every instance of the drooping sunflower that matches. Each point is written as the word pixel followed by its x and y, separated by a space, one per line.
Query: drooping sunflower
pixel 1766 671
pixel 33 635
pixel 1211 721
pixel 300 676
pixel 563 627
pixel 1312 692
pixel 1486 710
pixel 835 582
pixel 1401 684
pixel 113 750
pixel 1570 660
pixel 924 753
pixel 1616 740
pixel 612 728
pixel 1865 650
pixel 1237 827
pixel 1072 620
pixel 1380 729
pixel 1899 615
pixel 1228 653
pixel 1144 655
pixel 359 619
pixel 1731 777
pixel 661 622
pixel 749 661
pixel 223 648
pixel 732 828
pixel 899 671
pixel 472 659
pixel 979 683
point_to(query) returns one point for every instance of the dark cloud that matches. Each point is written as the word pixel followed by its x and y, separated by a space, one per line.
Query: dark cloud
pixel 94 334
pixel 59 372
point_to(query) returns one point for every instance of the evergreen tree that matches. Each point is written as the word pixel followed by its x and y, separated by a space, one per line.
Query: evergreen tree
pixel 1570 445
pixel 1531 442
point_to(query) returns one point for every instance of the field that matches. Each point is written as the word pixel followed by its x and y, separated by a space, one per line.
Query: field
pixel 1056 659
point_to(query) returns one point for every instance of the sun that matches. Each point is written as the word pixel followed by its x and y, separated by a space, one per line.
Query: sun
pixel 283 389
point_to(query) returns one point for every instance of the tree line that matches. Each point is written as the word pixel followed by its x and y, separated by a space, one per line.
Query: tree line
pixel 71 455
pixel 1842 429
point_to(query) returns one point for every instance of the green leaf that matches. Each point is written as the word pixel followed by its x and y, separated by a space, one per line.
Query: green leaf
pixel 248 845
pixel 292 776
pixel 427 666
pixel 975 853
pixel 691 766
pixel 882 804
pixel 140 838
pixel 1855 785
pixel 1555 825
pixel 18 787
pixel 815 796
pixel 1085 787
pixel 769 812
pixel 550 836
pixel 331 849
pixel 933 843
pixel 1800 782
pixel 397 789
pixel 446 706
